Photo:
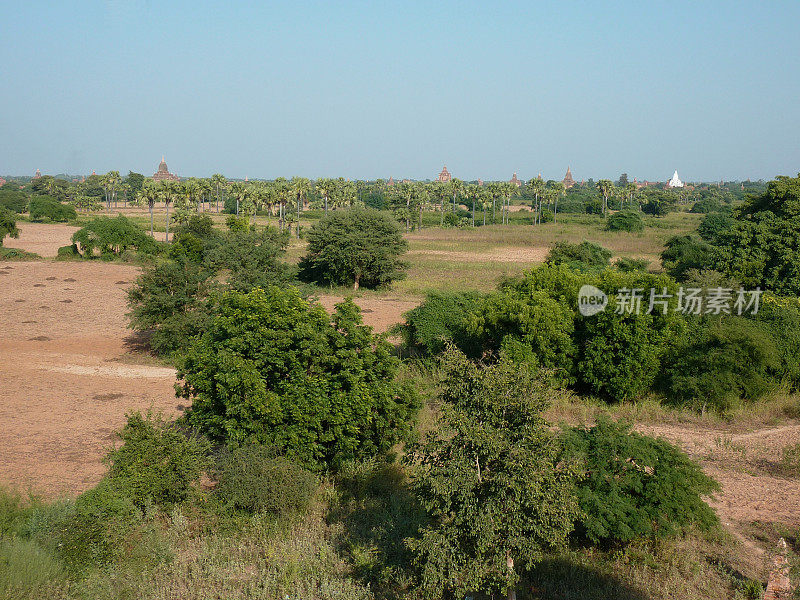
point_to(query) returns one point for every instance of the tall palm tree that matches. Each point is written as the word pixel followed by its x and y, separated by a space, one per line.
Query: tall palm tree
pixel 457 188
pixel 300 189
pixel 630 191
pixel 325 188
pixel 149 194
pixel 559 190
pixel 606 189
pixel 537 184
pixel 218 181
pixel 168 192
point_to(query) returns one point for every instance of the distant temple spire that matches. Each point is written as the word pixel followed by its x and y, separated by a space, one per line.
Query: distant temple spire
pixel 515 180
pixel 568 181
pixel 675 182
pixel 163 173
pixel 445 175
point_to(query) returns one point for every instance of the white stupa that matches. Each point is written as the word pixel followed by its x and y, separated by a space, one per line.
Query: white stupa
pixel 675 181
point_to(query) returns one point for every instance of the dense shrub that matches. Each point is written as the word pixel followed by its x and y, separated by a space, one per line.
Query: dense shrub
pixel 157 462
pixel 706 206
pixel 45 208
pixel 275 369
pixel 169 301
pixel 619 354
pixel 626 220
pixel 251 259
pixel 361 247
pixel 255 479
pixel 725 360
pixel 762 245
pixel 441 318
pixel 627 264
pixel 634 485
pixel 66 252
pixel 684 253
pixel 97 533
pixel 583 256
pixel 112 236
pixel 8 225
pixel 714 224
pixel 14 201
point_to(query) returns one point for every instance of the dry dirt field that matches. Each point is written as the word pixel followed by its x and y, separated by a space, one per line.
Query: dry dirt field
pixel 42 238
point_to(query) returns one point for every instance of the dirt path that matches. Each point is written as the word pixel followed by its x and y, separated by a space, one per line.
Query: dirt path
pixel 66 384
pixel 747 466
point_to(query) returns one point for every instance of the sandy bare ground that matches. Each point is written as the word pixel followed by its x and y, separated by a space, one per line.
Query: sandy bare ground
pixel 748 467
pixel 519 254
pixel 42 238
pixel 379 313
pixel 65 383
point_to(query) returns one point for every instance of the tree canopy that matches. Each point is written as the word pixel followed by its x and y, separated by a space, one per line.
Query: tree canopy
pixel 274 368
pixel 358 247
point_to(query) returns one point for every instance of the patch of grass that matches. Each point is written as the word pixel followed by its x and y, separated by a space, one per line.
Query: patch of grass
pixel 17 254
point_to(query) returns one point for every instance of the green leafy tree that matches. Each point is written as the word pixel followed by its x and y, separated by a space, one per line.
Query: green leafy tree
pixel 170 302
pixel 273 368
pixel 635 486
pixel 8 225
pixel 490 481
pixel 252 258
pixel 356 246
pixel 112 236
pixel 625 220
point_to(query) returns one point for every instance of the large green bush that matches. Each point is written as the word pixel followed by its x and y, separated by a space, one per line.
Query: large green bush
pixel 273 368
pixel 157 462
pixel 255 479
pixel 725 360
pixel 442 318
pixel 634 485
pixel 45 208
pixel 583 256
pixel 112 236
pixel 625 220
pixel 683 253
pixel 358 247
pixel 761 247
pixel 488 476
pixel 97 533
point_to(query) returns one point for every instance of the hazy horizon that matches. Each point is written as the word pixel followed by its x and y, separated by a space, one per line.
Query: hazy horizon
pixel 365 92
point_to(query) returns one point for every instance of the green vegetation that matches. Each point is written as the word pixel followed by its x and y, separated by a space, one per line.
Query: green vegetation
pixel 8 225
pixel 45 208
pixel 112 237
pixel 13 200
pixel 358 247
pixel 583 256
pixel 626 220
pixel 635 486
pixel 488 478
pixel 273 368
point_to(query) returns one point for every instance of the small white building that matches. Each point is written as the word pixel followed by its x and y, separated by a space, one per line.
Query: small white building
pixel 675 182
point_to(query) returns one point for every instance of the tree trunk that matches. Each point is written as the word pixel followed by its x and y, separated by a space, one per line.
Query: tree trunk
pixel 151 221
pixel 473 213
pixel 512 592
pixel 355 283
pixel 167 236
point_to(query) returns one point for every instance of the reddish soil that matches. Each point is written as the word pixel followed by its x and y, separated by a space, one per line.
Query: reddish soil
pixel 67 381
pixel 42 238
pixel 379 313
pixel 747 465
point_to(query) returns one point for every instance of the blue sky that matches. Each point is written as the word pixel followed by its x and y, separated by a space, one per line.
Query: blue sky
pixel 373 89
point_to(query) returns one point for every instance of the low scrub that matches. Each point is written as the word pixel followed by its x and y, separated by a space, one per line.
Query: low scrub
pixel 626 220
pixel 254 478
pixel 583 256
